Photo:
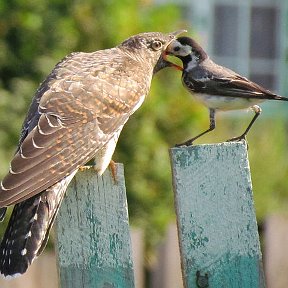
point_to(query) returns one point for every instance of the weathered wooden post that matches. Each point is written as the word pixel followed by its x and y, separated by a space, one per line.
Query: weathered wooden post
pixel 218 237
pixel 93 240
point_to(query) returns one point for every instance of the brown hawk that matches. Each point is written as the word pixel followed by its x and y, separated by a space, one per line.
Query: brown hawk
pixel 77 114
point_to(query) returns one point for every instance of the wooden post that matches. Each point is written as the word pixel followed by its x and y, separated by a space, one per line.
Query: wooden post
pixel 167 271
pixel 276 250
pixel 217 229
pixel 93 240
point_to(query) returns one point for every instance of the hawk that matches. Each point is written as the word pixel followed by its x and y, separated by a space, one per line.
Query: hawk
pixel 76 115
pixel 217 87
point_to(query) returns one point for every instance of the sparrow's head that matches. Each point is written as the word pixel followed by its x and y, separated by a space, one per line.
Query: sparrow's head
pixel 188 50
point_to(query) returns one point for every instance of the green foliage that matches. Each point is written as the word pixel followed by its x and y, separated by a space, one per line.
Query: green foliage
pixel 269 166
pixel 35 35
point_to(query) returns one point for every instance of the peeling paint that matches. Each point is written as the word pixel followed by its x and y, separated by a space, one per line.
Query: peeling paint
pixel 215 210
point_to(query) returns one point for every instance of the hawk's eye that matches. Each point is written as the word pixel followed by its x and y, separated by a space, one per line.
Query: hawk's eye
pixel 156 45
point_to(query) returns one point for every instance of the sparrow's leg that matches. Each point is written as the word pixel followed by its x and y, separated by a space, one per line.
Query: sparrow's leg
pixel 211 127
pixel 257 111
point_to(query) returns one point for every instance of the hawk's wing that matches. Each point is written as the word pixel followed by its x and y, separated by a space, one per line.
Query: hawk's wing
pixel 79 111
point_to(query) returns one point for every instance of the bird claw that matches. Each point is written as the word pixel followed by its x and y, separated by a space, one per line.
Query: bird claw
pixel 237 139
pixel 184 144
pixel 113 169
pixel 112 166
pixel 84 168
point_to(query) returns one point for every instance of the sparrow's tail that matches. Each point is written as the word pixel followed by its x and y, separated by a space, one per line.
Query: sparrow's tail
pixel 28 229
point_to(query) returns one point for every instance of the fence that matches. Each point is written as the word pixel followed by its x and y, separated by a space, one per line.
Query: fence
pixel 216 225
pixel 218 238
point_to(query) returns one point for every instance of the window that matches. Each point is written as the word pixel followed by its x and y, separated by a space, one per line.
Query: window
pixel 264 50
pixel 246 38
pixel 263 34
pixel 225 30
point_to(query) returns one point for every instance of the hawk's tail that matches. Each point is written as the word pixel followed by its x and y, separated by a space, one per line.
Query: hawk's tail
pixel 28 229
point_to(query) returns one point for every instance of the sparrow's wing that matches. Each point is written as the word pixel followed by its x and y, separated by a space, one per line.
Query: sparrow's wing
pixel 218 80
pixel 79 111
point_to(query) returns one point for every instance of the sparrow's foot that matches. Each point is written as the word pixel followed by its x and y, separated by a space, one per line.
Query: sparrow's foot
pixel 237 139
pixel 185 144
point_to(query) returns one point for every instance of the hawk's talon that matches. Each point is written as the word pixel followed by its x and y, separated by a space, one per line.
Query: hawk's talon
pixel 112 166
pixel 84 168
pixel 113 169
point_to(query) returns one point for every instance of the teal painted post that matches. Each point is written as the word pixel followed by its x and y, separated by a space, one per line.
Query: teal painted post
pixel 217 228
pixel 92 233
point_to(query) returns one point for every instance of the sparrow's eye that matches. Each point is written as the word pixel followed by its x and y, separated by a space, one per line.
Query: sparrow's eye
pixel 176 49
pixel 156 45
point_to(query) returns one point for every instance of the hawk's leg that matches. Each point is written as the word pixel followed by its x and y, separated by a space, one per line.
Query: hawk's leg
pixel 112 166
pixel 211 127
pixel 257 111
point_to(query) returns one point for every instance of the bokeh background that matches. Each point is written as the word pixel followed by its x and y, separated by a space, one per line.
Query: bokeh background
pixel 248 36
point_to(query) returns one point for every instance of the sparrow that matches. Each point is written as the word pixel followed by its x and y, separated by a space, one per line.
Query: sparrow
pixel 76 115
pixel 217 87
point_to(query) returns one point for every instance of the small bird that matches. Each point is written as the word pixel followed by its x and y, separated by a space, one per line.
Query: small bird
pixel 217 87
pixel 76 115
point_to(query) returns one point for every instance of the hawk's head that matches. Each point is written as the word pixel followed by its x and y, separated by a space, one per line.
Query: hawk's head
pixel 150 46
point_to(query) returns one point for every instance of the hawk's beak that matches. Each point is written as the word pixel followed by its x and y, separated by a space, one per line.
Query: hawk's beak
pixel 163 62
pixel 168 63
pixel 178 32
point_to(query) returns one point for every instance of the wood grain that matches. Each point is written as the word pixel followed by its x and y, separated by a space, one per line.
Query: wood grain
pixel 93 240
pixel 217 227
